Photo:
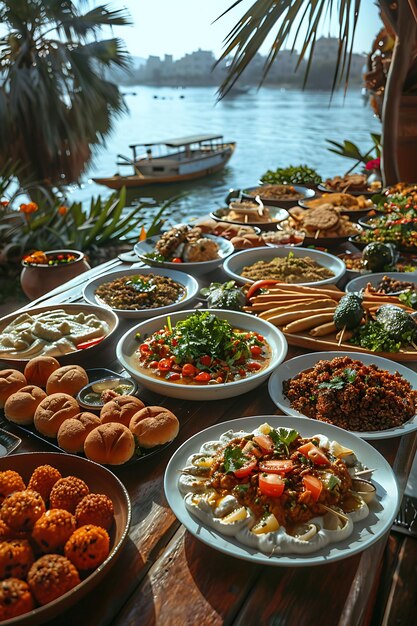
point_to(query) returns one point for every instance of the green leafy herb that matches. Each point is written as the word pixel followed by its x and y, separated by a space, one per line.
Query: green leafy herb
pixel 139 284
pixel 338 382
pixel 373 336
pixel 234 459
pixel 333 482
pixel 242 488
pixel 409 297
pixel 291 175
pixel 224 296
pixel 155 256
pixel 283 437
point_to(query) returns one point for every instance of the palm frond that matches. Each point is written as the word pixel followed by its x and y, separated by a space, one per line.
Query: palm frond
pixel 300 19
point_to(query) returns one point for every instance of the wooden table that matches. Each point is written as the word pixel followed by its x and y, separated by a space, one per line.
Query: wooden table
pixel 166 576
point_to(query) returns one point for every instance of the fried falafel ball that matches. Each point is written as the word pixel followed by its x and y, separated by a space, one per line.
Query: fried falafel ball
pixel 15 598
pixel 88 547
pixel 43 479
pixel 96 509
pixel 51 576
pixel 10 481
pixel 67 493
pixel 53 529
pixel 16 557
pixel 22 509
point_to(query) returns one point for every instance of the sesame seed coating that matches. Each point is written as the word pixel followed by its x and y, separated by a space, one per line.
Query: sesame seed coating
pixel 10 481
pixel 16 557
pixel 53 529
pixel 51 576
pixel 96 509
pixel 43 479
pixel 15 598
pixel 21 509
pixel 88 547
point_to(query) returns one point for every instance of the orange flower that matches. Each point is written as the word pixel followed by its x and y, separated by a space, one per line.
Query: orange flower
pixel 62 210
pixel 30 207
pixel 142 235
pixel 4 203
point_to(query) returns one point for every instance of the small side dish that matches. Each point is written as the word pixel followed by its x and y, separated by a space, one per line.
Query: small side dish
pixel 276 192
pixel 351 395
pixel 275 491
pixel 202 349
pixel 185 244
pixel 352 183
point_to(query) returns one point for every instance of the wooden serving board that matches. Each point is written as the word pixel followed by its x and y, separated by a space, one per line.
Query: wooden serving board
pixel 329 343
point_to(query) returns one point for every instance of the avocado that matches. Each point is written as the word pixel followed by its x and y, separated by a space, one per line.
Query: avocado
pixel 378 256
pixel 349 312
pixel 396 321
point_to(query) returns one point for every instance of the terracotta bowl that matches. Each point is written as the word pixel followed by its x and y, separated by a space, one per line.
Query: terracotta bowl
pixel 36 280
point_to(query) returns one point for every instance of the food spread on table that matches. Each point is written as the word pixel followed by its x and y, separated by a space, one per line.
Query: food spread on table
pixel 140 291
pixel 203 349
pixel 289 269
pixel 276 192
pixel 240 236
pixel 325 221
pixel 352 182
pixel 346 393
pixel 276 491
pixel 389 285
pixel 248 212
pixel 341 201
pixel 50 332
pixel 185 244
pixel 54 533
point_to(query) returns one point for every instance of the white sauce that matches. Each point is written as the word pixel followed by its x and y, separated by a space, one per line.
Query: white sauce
pixel 51 332
pixel 213 512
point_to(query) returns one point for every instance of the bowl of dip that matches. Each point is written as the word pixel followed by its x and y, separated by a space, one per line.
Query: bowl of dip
pixel 91 396
pixel 69 332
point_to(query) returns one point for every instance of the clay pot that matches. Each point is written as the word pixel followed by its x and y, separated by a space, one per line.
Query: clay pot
pixel 36 280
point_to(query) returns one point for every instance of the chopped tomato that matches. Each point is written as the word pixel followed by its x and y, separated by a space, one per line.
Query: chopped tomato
pixel 88 344
pixel 259 284
pixel 253 366
pixel 250 448
pixel 247 468
pixel 153 364
pixel 144 349
pixel 176 259
pixel 271 485
pixel 255 350
pixel 173 376
pixel 313 453
pixel 164 365
pixel 202 377
pixel 314 485
pixel 264 442
pixel 188 370
pixel 277 466
pixel 205 360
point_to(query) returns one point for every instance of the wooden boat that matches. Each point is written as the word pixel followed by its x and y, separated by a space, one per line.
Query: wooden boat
pixel 172 161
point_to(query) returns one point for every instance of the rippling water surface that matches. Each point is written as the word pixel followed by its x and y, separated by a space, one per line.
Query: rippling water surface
pixel 272 128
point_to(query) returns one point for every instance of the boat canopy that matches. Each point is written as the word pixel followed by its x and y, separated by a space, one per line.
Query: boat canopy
pixel 180 141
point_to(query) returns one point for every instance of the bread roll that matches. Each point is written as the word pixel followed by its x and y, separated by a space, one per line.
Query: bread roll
pixel 39 369
pixel 68 379
pixel 121 410
pixel 110 444
pixel 53 411
pixel 10 382
pixel 73 432
pixel 20 407
pixel 154 426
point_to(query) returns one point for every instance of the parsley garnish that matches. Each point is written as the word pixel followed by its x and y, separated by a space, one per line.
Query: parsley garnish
pixel 338 382
pixel 234 459
pixel 332 482
pixel 282 437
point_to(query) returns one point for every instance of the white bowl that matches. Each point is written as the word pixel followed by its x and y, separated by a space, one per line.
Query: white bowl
pixel 361 281
pixel 188 282
pixel 276 340
pixel 103 313
pixel 195 269
pixel 234 265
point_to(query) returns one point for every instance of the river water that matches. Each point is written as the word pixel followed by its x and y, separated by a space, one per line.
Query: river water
pixel 272 127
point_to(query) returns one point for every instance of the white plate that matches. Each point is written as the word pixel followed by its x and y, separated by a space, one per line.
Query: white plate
pixel 298 364
pixel 365 533
pixel 188 282
pixel 128 345
pixel 196 269
pixel 361 281
pixel 234 265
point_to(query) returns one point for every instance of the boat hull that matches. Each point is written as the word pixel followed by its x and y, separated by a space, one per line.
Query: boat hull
pixel 185 173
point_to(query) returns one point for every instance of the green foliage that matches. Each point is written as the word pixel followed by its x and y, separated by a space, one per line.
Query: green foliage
pixel 350 150
pixel 292 175
pixel 55 102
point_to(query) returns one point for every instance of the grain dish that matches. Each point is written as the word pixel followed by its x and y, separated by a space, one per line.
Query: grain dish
pixel 346 393
pixel 140 291
pixel 290 269
pixel 273 490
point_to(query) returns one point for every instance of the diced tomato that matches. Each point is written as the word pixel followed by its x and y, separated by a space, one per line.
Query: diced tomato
pixel 205 360
pixel 253 366
pixel 264 442
pixel 164 365
pixel 153 364
pixel 144 349
pixel 276 466
pixel 202 377
pixel 176 259
pixel 271 485
pixel 255 350
pixel 246 469
pixel 313 453
pixel 173 376
pixel 314 485
pixel 88 344
pixel 188 370
pixel 259 284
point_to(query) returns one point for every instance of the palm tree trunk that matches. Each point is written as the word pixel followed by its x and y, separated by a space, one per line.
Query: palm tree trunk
pixel 404 44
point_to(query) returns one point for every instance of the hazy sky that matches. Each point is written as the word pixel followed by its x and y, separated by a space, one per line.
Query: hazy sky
pixel 180 26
